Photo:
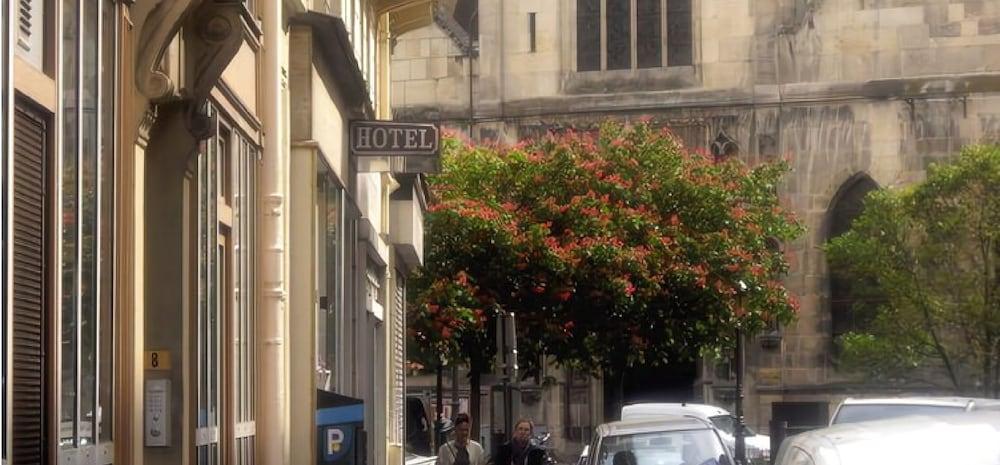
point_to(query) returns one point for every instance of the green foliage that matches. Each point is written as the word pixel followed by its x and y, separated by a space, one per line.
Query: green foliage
pixel 614 248
pixel 931 252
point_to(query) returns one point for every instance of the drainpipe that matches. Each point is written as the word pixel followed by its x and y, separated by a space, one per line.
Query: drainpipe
pixel 6 146
pixel 271 250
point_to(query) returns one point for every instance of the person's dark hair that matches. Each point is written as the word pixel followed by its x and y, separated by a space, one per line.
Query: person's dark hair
pixel 462 418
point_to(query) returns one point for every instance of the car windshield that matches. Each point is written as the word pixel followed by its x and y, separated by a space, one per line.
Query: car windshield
pixel 867 412
pixel 727 424
pixel 690 447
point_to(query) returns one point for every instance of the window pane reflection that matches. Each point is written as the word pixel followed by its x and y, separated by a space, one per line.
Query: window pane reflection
pixel 87 157
pixel 679 41
pixel 88 241
pixel 619 34
pixel 647 42
pixel 106 224
pixel 70 67
pixel 328 277
pixel 588 35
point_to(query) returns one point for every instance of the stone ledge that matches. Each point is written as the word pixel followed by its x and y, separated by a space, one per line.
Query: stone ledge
pixel 763 95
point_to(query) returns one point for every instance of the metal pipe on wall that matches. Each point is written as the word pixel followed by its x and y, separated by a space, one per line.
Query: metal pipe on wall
pixel 6 78
pixel 272 392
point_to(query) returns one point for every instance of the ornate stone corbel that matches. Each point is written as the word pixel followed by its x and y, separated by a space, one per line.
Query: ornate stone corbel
pixel 213 38
pixel 158 29
pixel 213 31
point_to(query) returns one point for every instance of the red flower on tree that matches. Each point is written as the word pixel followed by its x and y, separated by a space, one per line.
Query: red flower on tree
pixel 622 228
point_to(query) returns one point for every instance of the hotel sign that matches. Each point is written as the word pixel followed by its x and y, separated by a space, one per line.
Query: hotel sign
pixel 387 138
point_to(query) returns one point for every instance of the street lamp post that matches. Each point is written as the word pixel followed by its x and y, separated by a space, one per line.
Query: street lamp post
pixel 741 450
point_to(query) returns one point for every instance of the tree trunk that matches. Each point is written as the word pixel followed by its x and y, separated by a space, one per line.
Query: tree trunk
pixel 996 374
pixel 439 407
pixel 617 378
pixel 988 371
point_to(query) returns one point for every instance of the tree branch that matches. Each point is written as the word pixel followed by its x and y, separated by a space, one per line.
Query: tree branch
pixel 929 326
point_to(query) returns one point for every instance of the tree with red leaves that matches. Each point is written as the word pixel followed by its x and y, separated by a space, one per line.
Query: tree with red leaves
pixel 615 248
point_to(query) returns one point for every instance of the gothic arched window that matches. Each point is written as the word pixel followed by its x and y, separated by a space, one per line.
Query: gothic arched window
pixel 848 298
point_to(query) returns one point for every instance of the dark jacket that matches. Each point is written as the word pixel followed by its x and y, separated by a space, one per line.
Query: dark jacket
pixel 534 455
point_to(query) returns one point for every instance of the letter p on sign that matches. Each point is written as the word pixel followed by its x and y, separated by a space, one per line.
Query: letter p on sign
pixel 334 439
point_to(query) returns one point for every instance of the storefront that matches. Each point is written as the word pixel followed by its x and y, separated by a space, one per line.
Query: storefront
pixel 61 228
pixel 355 233
pixel 148 189
pixel 201 294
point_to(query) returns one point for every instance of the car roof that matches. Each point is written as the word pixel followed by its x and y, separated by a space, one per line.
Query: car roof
pixel 932 401
pixel 972 438
pixel 650 425
pixel 645 410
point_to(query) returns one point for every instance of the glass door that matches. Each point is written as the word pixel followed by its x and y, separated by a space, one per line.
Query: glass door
pixel 226 314
pixel 210 272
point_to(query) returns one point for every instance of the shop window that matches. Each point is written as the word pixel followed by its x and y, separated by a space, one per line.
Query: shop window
pixel 244 318
pixel 329 276
pixel 629 34
pixel 87 236
pixel 226 313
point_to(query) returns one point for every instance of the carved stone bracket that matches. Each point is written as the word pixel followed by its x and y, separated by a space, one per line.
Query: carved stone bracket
pixel 213 31
pixel 213 38
pixel 158 30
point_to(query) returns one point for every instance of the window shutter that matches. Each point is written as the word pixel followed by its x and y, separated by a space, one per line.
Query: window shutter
pixel 24 21
pixel 30 33
pixel 29 290
pixel 398 360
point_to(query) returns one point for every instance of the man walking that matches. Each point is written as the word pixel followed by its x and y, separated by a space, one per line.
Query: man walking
pixel 519 450
pixel 461 450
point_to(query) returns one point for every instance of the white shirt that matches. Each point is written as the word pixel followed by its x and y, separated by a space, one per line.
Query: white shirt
pixel 447 453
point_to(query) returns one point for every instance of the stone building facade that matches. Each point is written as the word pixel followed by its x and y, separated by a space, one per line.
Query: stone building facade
pixel 857 94
pixel 194 265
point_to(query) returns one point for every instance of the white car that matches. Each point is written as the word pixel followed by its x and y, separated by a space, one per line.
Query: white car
pixel 757 446
pixel 665 440
pixel 971 438
pixel 853 410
